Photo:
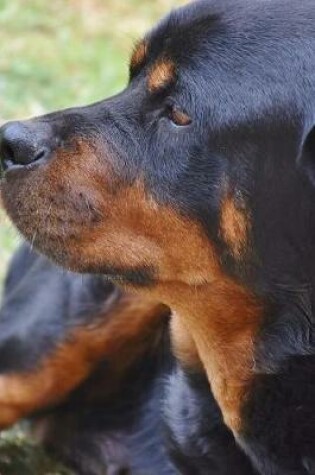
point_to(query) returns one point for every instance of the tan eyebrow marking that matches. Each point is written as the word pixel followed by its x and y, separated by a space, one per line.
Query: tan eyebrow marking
pixel 139 55
pixel 162 74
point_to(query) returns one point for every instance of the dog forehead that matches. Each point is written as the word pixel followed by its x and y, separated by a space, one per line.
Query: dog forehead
pixel 259 64
pixel 239 30
pixel 240 49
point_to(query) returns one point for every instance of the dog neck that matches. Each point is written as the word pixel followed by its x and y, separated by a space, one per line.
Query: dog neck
pixel 238 338
pixel 223 319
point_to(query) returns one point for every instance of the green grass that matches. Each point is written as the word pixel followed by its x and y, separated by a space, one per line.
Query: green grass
pixel 62 53
pixel 55 54
pixel 20 456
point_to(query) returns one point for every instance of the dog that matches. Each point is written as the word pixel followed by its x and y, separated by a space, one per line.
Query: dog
pixel 195 186
pixel 76 358
pixel 90 366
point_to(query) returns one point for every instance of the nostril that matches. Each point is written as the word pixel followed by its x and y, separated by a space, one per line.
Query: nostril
pixel 7 155
pixel 12 144
pixel 43 153
pixel 22 144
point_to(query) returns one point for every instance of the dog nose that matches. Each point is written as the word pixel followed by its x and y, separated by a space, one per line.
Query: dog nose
pixel 19 145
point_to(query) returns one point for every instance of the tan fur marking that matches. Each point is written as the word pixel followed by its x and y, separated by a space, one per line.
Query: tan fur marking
pixel 223 320
pixel 139 55
pixel 235 226
pixel 161 75
pixel 134 230
pixel 120 337
pixel 130 230
pixel 183 344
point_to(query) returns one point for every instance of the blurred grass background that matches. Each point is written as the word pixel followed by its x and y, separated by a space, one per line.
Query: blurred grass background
pixel 63 53
pixel 54 55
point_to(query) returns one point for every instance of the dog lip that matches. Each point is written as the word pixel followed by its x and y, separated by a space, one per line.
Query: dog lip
pixel 11 173
pixel 17 171
pixel 11 168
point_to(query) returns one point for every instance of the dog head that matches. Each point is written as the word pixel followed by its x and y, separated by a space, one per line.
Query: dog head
pixel 203 164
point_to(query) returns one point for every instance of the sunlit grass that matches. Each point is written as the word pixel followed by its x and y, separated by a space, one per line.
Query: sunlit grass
pixel 65 52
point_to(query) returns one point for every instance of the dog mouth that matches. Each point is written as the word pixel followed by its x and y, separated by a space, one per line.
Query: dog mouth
pixel 73 225
pixel 46 213
pixel 15 170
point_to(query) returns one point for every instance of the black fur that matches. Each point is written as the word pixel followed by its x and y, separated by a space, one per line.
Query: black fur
pixel 159 419
pixel 199 440
pixel 90 430
pixel 37 295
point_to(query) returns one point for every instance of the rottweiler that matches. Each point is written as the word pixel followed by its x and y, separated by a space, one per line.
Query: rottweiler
pixel 90 366
pixel 195 186
pixel 83 360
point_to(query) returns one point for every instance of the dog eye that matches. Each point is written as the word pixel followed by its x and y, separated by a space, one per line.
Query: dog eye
pixel 178 116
